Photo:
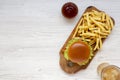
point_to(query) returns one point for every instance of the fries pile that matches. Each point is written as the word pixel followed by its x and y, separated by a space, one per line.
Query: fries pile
pixel 93 27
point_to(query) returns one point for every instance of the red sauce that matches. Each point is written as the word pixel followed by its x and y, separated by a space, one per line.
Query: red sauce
pixel 79 52
pixel 69 10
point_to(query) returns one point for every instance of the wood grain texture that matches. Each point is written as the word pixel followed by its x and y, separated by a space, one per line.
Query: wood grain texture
pixel 33 31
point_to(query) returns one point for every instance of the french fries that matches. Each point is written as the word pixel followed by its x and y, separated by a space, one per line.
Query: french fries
pixel 93 27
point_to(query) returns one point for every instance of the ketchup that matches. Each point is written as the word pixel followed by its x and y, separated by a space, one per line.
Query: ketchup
pixel 79 52
pixel 69 10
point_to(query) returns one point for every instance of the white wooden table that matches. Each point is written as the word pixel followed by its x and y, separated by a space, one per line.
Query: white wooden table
pixel 33 31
